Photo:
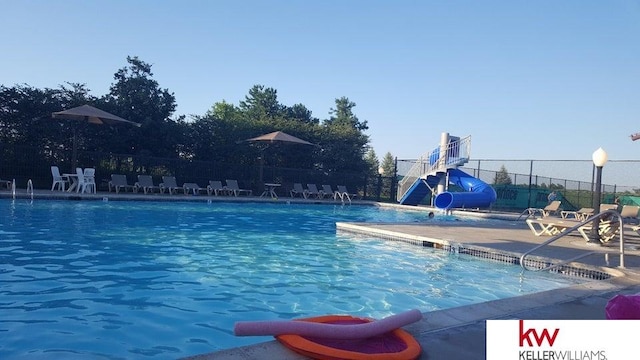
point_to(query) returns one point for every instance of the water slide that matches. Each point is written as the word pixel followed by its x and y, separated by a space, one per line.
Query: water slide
pixel 477 194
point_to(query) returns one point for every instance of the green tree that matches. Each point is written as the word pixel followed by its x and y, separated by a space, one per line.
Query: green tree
pixel 136 96
pixel 388 165
pixel 502 177
pixel 343 141
pixel 261 103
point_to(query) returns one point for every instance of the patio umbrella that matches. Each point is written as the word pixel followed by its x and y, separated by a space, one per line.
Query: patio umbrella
pixel 91 115
pixel 279 136
pixel 276 137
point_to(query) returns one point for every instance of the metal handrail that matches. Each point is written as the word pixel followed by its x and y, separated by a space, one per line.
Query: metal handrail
pixel 567 232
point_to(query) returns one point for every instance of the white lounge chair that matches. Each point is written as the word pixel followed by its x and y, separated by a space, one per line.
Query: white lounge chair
pixel 234 188
pixel 344 194
pixel 59 181
pixel 192 188
pixel 581 214
pixel 312 190
pixel 216 188
pixel 119 182
pixel 552 208
pixel 298 190
pixel 629 214
pixel 327 191
pixel 145 182
pixel 170 184
pixel 607 228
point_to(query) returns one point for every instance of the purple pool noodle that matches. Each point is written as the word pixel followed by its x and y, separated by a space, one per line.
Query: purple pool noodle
pixel 625 307
pixel 332 331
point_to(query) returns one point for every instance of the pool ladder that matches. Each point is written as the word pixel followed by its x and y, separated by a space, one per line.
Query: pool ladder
pixel 567 232
pixel 29 188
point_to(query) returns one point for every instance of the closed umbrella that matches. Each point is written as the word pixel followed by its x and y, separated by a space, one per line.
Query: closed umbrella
pixel 91 115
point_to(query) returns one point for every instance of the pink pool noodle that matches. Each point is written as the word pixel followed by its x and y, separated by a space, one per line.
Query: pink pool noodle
pixel 332 331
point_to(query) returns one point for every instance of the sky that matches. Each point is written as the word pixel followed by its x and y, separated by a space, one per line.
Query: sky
pixel 544 79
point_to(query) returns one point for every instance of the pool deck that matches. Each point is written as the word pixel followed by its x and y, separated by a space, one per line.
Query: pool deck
pixel 459 333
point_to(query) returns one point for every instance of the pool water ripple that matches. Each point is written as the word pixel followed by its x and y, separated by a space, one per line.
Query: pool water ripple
pixel 118 280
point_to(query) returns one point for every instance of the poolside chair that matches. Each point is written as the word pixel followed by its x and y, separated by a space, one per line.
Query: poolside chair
pixel 343 194
pixel 550 226
pixel 119 182
pixel 552 208
pixel 629 214
pixel 89 181
pixel 327 191
pixel 170 184
pixel 607 228
pixel 234 188
pixel 298 190
pixel 312 190
pixel 605 207
pixel 581 214
pixel 192 188
pixel 59 181
pixel 145 182
pixel 216 188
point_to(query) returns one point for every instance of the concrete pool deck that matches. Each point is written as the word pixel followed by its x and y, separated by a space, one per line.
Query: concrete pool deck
pixel 459 333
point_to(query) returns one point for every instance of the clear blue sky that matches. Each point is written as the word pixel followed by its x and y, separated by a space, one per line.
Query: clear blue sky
pixel 544 79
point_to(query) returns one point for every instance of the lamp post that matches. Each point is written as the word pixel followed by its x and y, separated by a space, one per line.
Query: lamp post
pixel 599 158
pixel 380 173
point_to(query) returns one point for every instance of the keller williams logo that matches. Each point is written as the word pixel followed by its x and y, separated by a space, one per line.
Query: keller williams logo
pixel 526 335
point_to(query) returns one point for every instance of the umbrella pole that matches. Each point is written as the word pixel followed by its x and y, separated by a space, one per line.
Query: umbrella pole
pixel 74 151
pixel 261 183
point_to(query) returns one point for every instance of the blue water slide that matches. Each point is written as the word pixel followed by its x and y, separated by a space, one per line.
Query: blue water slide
pixel 478 193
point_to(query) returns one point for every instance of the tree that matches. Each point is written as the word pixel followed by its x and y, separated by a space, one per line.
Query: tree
pixel 502 177
pixel 388 165
pixel 343 141
pixel 135 96
pixel 261 103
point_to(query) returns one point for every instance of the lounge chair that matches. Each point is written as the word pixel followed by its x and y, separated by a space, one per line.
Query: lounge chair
pixel 327 191
pixel 581 214
pixel 59 181
pixel 607 229
pixel 312 190
pixel 550 226
pixel 119 182
pixel 234 188
pixel 216 188
pixel 605 207
pixel 552 208
pixel 343 194
pixel 298 190
pixel 145 182
pixel 629 214
pixel 170 184
pixel 193 188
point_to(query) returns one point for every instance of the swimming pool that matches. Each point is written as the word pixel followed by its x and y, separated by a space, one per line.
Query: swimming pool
pixel 167 280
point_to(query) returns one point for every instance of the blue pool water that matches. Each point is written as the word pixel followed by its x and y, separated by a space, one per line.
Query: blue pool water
pixel 120 280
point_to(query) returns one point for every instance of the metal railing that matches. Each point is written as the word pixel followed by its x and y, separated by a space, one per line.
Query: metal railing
pixel 567 231
pixel 454 154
